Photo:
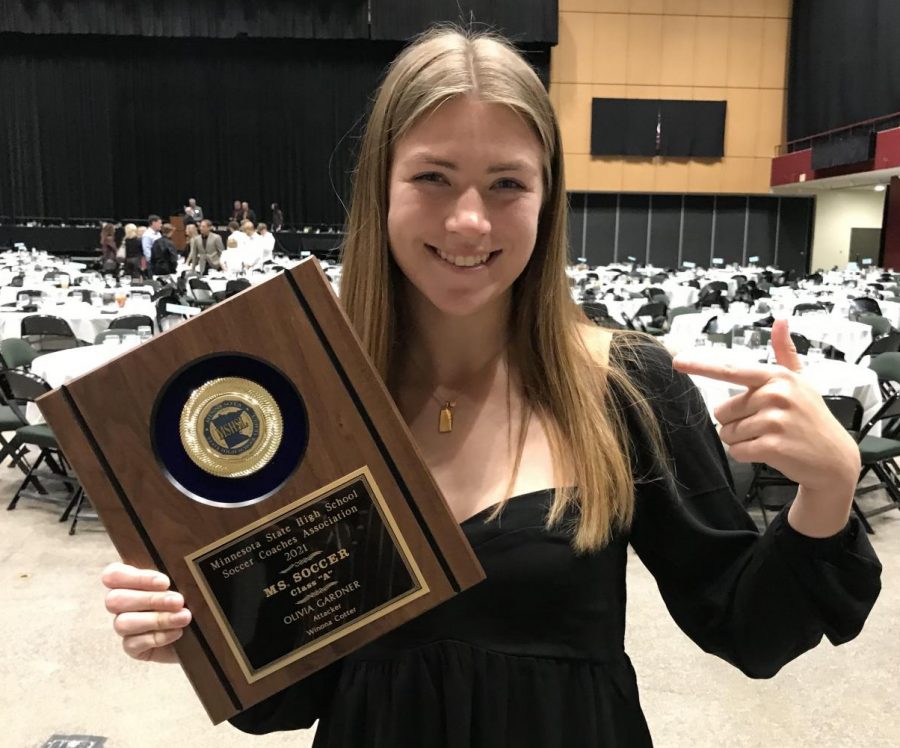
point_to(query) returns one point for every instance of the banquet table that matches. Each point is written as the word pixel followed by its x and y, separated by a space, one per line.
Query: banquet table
pixel 827 376
pixel 85 320
pixel 60 367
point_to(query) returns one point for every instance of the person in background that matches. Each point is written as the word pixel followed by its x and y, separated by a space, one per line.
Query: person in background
pixel 108 250
pixel 190 233
pixel 277 218
pixel 247 213
pixel 231 257
pixel 234 232
pixel 236 211
pixel 265 240
pixel 193 213
pixel 251 249
pixel 205 250
pixel 154 223
pixel 163 255
pixel 133 251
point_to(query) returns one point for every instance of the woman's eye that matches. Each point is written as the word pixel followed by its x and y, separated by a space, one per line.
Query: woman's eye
pixel 508 184
pixel 431 176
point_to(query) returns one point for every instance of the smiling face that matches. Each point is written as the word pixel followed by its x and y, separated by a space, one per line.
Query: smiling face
pixel 465 195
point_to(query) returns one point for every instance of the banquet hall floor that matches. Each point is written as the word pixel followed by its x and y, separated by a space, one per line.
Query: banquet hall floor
pixel 62 671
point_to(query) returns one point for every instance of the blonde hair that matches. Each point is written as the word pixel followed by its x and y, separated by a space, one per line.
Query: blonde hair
pixel 578 393
pixel 190 231
pixel 130 230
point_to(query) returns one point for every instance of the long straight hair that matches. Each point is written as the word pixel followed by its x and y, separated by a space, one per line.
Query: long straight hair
pixel 576 388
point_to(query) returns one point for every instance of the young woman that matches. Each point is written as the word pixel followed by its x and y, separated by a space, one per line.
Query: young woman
pixel 566 443
pixel 134 253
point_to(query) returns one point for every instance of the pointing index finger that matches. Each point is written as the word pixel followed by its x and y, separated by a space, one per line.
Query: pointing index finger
pixel 752 375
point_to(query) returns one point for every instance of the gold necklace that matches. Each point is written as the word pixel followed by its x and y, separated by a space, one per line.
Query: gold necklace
pixel 445 414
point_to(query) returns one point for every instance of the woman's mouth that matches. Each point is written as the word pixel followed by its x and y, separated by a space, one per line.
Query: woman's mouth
pixel 465 262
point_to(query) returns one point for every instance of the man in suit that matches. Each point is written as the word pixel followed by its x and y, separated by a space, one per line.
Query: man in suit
pixel 206 249
pixel 193 213
pixel 247 213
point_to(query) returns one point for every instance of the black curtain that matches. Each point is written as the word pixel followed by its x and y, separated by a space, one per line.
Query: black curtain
pixel 844 64
pixel 310 19
pixel 624 127
pixel 522 21
pixel 123 127
pixel 692 128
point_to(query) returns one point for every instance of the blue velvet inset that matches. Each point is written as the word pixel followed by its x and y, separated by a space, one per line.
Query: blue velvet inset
pixel 195 482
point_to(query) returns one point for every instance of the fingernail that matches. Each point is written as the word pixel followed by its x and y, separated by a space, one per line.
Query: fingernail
pixel 181 617
pixel 173 597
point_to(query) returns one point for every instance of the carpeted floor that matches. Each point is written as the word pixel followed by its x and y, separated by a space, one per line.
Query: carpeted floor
pixel 62 671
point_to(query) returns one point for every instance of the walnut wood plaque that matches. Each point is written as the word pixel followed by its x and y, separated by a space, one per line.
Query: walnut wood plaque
pixel 254 456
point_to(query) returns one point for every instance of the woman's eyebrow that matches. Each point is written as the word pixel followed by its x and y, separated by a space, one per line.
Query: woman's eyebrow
pixel 516 165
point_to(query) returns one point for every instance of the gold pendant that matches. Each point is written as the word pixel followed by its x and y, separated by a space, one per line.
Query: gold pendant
pixel 445 424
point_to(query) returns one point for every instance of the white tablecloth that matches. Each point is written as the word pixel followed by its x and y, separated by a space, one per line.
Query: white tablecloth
pixel 850 337
pixel 827 376
pixel 85 320
pixel 60 367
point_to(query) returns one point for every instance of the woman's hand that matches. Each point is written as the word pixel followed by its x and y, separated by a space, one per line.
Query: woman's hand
pixel 148 617
pixel 783 421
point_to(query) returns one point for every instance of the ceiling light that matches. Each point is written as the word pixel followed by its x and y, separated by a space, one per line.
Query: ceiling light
pixel 878 188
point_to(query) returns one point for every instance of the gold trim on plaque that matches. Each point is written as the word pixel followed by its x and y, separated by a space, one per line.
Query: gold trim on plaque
pixel 390 524
pixel 231 427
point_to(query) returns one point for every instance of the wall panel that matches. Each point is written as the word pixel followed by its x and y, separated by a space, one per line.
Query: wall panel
pixel 727 50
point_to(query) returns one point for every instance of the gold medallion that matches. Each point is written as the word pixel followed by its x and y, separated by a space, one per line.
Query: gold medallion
pixel 231 427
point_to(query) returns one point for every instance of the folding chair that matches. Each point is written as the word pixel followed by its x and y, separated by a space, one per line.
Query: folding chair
pixel 48 333
pixel 865 304
pixel 801 309
pixel 200 293
pixel 848 412
pixel 27 387
pixel 888 344
pixel 131 322
pixel 16 353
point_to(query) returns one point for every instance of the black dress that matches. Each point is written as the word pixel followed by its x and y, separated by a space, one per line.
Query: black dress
pixel 534 655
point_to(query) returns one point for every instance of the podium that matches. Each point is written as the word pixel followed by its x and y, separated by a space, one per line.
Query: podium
pixel 178 237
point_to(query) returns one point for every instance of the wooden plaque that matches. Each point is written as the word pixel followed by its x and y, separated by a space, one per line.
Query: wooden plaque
pixel 254 456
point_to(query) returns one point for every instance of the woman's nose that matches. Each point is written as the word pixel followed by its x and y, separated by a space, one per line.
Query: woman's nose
pixel 469 216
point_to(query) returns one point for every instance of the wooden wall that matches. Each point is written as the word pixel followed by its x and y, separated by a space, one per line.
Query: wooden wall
pixel 734 50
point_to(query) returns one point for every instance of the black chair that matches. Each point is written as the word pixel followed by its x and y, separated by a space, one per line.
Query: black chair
pixel 200 293
pixel 711 326
pixel 878 453
pixel 27 387
pixel 865 304
pixel 881 326
pixel 594 310
pixel 801 309
pixel 650 318
pixel 712 297
pixel 717 286
pixel 48 333
pixel 232 287
pixel 801 343
pixel 847 410
pixel 131 322
pixel 888 344
pixel 81 293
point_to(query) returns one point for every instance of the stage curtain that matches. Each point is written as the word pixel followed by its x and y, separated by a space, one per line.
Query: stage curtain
pixel 221 19
pixel 844 64
pixel 127 127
